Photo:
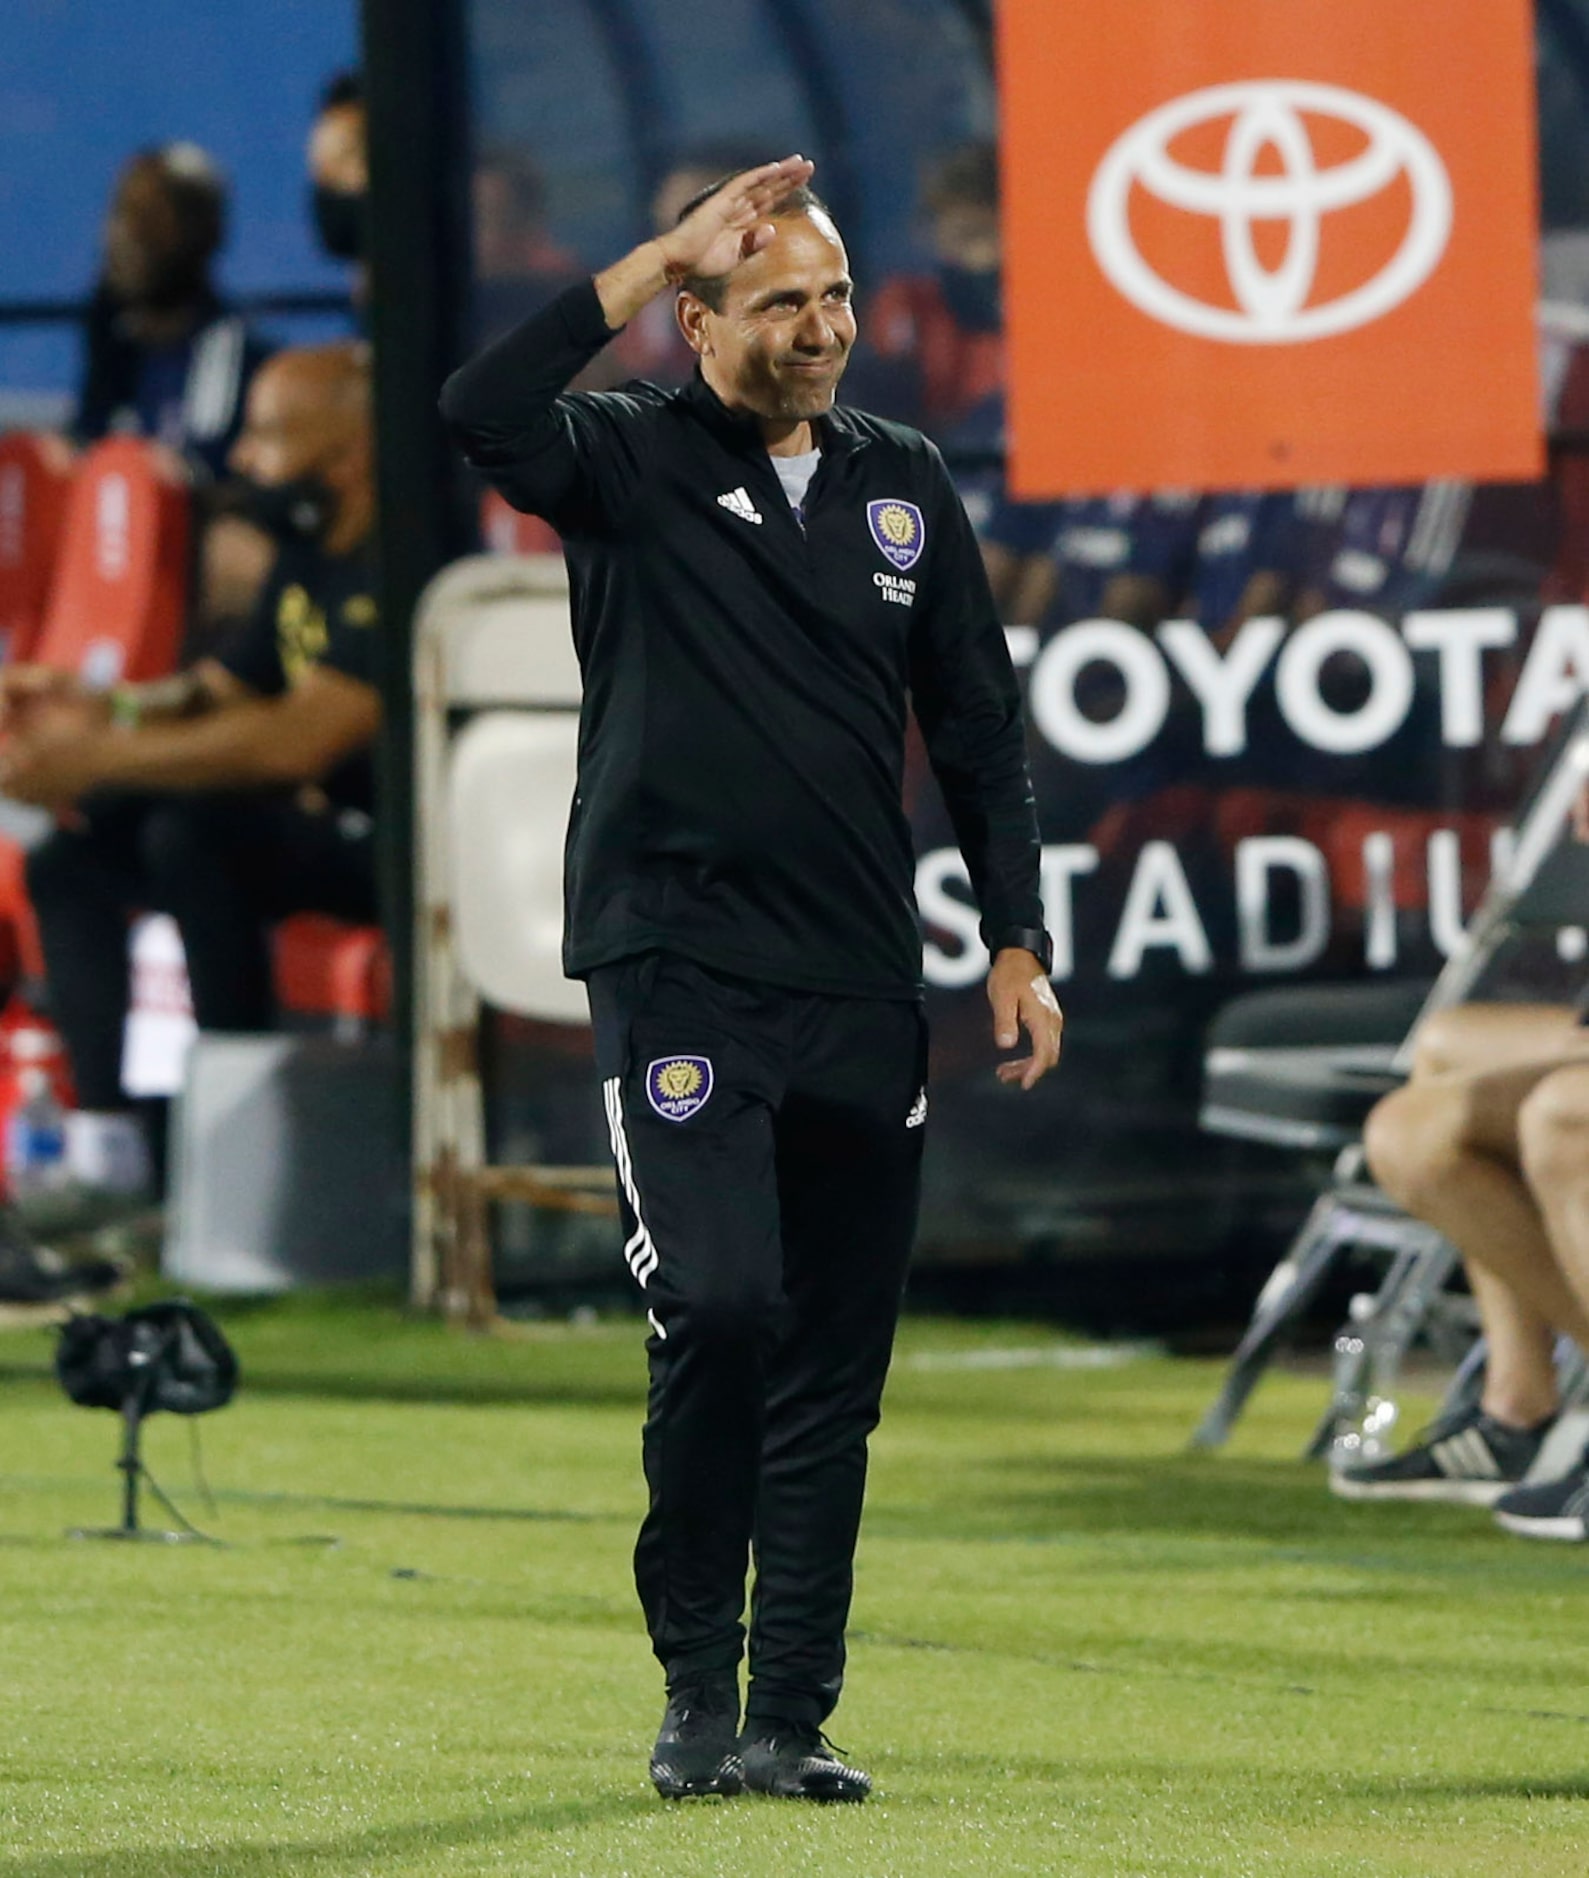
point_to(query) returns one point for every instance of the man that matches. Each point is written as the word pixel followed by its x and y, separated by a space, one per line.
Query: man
pixel 232 794
pixel 1246 554
pixel 518 266
pixel 1386 549
pixel 339 175
pixel 1489 1142
pixel 944 331
pixel 162 353
pixel 1013 535
pixel 757 577
pixel 1119 557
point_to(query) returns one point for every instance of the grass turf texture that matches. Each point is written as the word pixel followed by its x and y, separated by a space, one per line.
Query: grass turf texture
pixel 1076 1648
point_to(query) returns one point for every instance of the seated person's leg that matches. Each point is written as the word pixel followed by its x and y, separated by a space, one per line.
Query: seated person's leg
pixel 1468 1038
pixel 85 883
pixel 228 866
pixel 1446 1149
pixel 312 857
pixel 1520 1352
pixel 1553 1133
pixel 198 859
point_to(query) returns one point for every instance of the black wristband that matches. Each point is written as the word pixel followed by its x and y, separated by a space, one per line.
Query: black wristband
pixel 1029 939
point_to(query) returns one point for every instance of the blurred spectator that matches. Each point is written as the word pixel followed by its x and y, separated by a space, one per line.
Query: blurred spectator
pixel 339 175
pixel 1014 536
pixel 164 356
pixel 1119 557
pixel 234 554
pixel 944 330
pixel 1245 560
pixel 235 793
pixel 651 345
pixel 1486 1143
pixel 518 266
pixel 1390 549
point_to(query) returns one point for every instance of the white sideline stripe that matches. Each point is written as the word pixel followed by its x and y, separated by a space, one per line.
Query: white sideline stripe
pixel 640 1253
pixel 1040 1356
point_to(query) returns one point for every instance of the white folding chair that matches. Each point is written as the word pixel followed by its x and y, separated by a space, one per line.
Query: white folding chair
pixel 496 691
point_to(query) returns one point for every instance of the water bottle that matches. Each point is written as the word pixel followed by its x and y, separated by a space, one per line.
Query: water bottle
pixel 35 1139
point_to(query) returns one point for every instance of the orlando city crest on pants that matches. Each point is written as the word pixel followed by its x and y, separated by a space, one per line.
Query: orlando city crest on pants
pixel 678 1086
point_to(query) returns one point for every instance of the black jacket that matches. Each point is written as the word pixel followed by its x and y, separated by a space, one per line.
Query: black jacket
pixel 745 678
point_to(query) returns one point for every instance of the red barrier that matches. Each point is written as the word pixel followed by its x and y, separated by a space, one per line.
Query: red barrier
pixel 35 482
pixel 119 602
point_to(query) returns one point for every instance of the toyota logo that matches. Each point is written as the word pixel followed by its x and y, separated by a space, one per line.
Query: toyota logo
pixel 1272 304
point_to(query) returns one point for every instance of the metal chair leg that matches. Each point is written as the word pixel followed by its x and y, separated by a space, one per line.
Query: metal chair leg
pixel 1370 1349
pixel 1290 1288
pixel 1467 1385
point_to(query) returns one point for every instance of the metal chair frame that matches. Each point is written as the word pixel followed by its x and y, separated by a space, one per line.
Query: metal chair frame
pixel 1545 885
pixel 465 662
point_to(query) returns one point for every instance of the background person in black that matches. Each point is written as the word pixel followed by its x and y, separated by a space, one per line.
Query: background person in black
pixel 758 578
pixel 162 354
pixel 232 794
pixel 339 178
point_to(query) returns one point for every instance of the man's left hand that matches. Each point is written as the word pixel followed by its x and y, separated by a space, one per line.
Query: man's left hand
pixel 1019 991
pixel 52 765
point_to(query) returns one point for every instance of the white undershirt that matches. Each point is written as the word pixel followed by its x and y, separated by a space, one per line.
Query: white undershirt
pixel 795 473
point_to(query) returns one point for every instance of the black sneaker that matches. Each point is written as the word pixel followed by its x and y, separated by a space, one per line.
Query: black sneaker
pixel 697 1750
pixel 32 1274
pixel 798 1762
pixel 1468 1457
pixel 1554 1509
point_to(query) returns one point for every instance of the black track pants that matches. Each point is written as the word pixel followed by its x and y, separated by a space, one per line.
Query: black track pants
pixel 768 1145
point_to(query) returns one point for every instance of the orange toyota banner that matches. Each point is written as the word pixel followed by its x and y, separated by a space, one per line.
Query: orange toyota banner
pixel 1259 243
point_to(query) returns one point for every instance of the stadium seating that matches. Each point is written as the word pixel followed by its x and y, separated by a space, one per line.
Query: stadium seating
pixel 21 955
pixel 497 692
pixel 326 968
pixel 118 606
pixel 35 479
pixel 114 604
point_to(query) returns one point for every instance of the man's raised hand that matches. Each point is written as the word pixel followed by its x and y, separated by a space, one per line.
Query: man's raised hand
pixel 726 229
pixel 732 225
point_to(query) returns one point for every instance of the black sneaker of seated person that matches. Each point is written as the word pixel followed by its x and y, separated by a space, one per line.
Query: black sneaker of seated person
pixel 697 1750
pixel 796 1761
pixel 1467 1457
pixel 32 1274
pixel 1550 1509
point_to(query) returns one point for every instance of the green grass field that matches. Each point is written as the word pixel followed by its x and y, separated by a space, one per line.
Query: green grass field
pixel 1076 1648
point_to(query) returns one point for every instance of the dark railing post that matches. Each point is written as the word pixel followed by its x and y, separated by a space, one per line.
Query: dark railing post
pixel 419 273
